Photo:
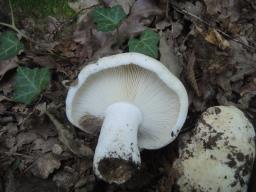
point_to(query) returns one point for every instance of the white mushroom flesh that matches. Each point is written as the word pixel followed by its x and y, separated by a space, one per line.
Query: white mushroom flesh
pixel 130 83
pixel 219 154
pixel 126 89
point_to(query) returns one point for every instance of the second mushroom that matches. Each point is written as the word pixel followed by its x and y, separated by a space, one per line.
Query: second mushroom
pixel 142 106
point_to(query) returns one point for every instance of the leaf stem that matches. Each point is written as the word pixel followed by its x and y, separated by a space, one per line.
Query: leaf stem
pixel 13 26
pixel 12 16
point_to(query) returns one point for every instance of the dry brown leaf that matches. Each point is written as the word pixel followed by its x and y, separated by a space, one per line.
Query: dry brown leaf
pixel 214 37
pixel 66 136
pixel 45 165
pixel 223 9
pixel 167 55
pixel 141 15
pixel 191 73
pixel 126 5
pixel 25 138
pixel 65 179
pixel 248 87
pixel 44 145
pixel 243 61
pixel 44 61
pixel 80 5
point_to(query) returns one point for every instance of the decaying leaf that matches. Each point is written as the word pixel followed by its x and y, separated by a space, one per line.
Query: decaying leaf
pixel 66 136
pixel 142 14
pixel 44 146
pixel 82 4
pixel 214 37
pixel 25 138
pixel 43 61
pixel 249 87
pixel 126 5
pixel 223 9
pixel 65 179
pixel 191 73
pixel 167 55
pixel 45 165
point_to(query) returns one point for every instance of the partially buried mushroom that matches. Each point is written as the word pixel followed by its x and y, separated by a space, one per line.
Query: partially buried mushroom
pixel 141 104
pixel 218 155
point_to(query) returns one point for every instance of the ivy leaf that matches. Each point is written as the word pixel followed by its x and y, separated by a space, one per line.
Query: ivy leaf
pixel 10 45
pixel 30 83
pixel 146 44
pixel 108 19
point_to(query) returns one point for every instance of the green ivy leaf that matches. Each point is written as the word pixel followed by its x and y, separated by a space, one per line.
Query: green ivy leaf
pixel 10 45
pixel 108 19
pixel 30 83
pixel 146 44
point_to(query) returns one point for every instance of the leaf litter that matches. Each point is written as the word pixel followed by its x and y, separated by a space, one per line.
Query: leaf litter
pixel 209 44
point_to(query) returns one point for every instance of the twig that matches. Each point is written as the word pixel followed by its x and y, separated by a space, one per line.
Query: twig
pixel 184 11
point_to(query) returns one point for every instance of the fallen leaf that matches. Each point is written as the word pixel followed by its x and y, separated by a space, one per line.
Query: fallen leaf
pixel 142 14
pixel 7 65
pixel 146 44
pixel 126 5
pixel 24 138
pixel 44 145
pixel 108 19
pixel 191 73
pixel 30 83
pixel 162 25
pixel 242 60
pixel 45 165
pixel 81 5
pixel 223 9
pixel 10 45
pixel 195 8
pixel 43 61
pixel 65 179
pixel 66 136
pixel 167 55
pixel 176 29
pixel 248 87
pixel 214 37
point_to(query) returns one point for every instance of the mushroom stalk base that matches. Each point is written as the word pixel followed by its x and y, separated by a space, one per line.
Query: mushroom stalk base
pixel 117 154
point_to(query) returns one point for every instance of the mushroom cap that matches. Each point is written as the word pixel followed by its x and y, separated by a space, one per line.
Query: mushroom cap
pixel 137 79
pixel 219 154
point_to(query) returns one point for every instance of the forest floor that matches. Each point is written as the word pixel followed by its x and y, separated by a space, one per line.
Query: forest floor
pixel 210 44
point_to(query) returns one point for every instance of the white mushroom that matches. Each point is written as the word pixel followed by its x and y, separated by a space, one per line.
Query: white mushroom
pixel 219 154
pixel 142 104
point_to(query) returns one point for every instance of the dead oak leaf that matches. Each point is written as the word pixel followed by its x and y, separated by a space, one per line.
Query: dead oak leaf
pixel 167 55
pixel 126 5
pixel 141 15
pixel 80 5
pixel 214 37
pixel 191 73
pixel 45 165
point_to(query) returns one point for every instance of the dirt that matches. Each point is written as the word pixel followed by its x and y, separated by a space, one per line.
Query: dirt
pixel 213 48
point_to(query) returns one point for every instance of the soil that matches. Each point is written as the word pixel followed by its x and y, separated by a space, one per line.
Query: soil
pixel 210 44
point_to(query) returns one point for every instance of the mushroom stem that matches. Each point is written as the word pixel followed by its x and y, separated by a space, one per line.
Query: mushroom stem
pixel 117 154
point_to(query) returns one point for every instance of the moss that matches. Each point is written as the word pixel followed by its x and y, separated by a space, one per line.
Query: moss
pixel 42 8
